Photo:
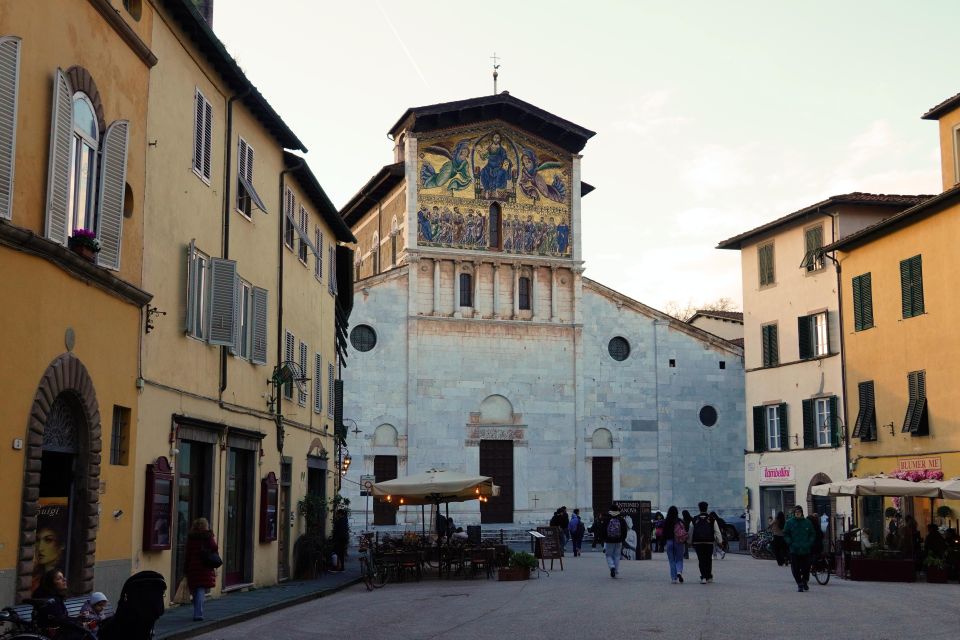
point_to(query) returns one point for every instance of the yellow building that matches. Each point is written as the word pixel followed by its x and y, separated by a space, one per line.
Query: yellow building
pixel 902 356
pixel 73 86
pixel 240 252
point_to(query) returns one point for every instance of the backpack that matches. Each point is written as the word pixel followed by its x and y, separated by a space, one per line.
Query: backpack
pixel 574 524
pixel 614 531
pixel 702 529
pixel 679 533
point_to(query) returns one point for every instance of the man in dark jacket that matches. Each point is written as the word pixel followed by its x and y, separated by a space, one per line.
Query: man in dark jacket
pixel 613 533
pixel 799 534
pixel 703 534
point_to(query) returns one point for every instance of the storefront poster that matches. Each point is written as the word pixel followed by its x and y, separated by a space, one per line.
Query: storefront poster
pixel 778 474
pixel 50 550
pixel 919 464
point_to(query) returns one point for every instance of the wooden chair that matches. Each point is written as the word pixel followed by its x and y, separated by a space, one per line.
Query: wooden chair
pixel 482 560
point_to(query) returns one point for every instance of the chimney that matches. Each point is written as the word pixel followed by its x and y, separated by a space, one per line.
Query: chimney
pixel 205 7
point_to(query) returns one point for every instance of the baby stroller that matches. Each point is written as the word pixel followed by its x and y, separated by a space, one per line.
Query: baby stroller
pixel 139 607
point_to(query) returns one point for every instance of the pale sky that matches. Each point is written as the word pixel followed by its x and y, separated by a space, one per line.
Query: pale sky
pixel 711 117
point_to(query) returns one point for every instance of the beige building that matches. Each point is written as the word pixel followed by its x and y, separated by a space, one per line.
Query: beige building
pixel 726 324
pixel 797 429
pixel 239 362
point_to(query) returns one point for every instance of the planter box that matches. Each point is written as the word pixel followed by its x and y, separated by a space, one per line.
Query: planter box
pixel 506 574
pixel 937 575
pixel 882 570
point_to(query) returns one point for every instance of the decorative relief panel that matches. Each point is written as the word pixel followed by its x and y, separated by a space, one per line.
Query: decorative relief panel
pixel 462 173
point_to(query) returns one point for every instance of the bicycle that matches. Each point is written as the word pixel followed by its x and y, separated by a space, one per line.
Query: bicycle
pixel 21 629
pixel 821 567
pixel 374 573
pixel 761 546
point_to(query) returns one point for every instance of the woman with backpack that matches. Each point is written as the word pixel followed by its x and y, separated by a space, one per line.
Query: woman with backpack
pixel 675 535
pixel 201 565
pixel 614 533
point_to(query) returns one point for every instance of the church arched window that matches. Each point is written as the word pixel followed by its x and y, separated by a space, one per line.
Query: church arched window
pixel 602 439
pixel 385 436
pixel 496 226
pixel 466 290
pixel 523 294
pixel 375 253
pixel 394 232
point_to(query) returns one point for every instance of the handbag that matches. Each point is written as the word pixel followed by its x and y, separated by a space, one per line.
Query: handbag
pixel 210 558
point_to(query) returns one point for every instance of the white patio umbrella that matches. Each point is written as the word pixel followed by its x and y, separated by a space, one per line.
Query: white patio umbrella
pixel 436 486
pixel 880 485
pixel 950 489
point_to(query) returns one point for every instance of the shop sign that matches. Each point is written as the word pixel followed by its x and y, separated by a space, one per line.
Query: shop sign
pixel 919 464
pixel 780 474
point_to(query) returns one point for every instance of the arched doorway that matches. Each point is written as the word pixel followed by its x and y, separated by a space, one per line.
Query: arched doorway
pixel 821 505
pixel 61 481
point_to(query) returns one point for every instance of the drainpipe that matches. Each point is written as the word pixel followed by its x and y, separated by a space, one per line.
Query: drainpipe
pixel 225 249
pixel 278 418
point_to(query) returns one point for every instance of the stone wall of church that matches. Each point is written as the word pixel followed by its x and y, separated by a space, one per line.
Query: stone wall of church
pixel 653 408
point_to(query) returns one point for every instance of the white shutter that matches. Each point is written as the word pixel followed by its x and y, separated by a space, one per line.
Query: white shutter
pixel 207 138
pixel 113 178
pixel 9 82
pixel 318 268
pixel 223 302
pixel 238 318
pixel 332 278
pixel 58 174
pixel 191 287
pixel 248 173
pixel 242 158
pixel 302 395
pixel 198 120
pixel 258 332
pixel 330 390
pixel 288 357
pixel 317 383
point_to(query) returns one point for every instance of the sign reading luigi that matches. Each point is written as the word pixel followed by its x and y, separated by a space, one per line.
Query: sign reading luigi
pixel 919 464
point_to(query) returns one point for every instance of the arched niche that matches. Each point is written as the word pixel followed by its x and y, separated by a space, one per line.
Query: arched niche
pixel 602 439
pixel 496 409
pixel 385 436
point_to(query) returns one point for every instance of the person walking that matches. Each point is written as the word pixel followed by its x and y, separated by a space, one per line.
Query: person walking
pixel 201 575
pixel 799 534
pixel 704 533
pixel 564 527
pixel 576 530
pixel 778 544
pixel 687 519
pixel 597 528
pixel 676 537
pixel 614 533
pixel 341 537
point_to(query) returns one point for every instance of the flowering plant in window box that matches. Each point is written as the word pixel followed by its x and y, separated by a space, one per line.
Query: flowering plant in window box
pixel 84 242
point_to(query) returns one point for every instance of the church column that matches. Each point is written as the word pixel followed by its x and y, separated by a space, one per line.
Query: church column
pixel 553 293
pixel 456 288
pixel 496 290
pixel 436 286
pixel 516 291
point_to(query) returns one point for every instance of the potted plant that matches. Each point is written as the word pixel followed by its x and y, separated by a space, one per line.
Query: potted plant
pixel 84 242
pixel 936 568
pixel 944 512
pixel 518 566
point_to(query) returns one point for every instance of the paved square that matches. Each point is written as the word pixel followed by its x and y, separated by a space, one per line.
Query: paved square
pixel 750 598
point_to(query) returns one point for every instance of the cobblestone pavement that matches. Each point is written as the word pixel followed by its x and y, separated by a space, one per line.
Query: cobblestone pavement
pixel 749 598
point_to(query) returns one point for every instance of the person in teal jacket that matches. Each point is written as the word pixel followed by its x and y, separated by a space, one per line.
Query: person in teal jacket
pixel 799 536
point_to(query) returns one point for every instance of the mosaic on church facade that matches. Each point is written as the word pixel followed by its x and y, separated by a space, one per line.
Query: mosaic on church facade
pixel 466 175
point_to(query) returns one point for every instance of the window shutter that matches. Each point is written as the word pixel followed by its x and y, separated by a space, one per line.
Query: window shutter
pixel 866 299
pixel 784 429
pixel 242 166
pixel 765 344
pixel 258 332
pixel 58 175
pixel 806 333
pixel 317 383
pixel 858 303
pixel 809 425
pixel 759 430
pixel 9 83
pixel 332 278
pixel 916 289
pixel 288 357
pixel 248 174
pixel 302 395
pixel 330 389
pixel 238 315
pixel 207 138
pixel 338 407
pixel 223 302
pixel 113 179
pixel 318 267
pixel 191 287
pixel 834 423
pixel 199 115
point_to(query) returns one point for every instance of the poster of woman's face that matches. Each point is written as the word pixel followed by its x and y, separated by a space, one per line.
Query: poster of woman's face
pixel 50 548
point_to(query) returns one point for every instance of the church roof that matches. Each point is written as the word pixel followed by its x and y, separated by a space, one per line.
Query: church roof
pixel 502 106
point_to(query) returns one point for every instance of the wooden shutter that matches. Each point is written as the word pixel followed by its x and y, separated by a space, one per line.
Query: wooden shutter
pixel 865 425
pixel 289 342
pixel 911 287
pixel 332 278
pixel 223 302
pixel 191 287
pixel 207 138
pixel 9 84
pixel 242 166
pixel 113 179
pixel 258 330
pixel 58 174
pixel 834 423
pixel 318 267
pixel 302 395
pixel 198 128
pixel 809 424
pixel 766 264
pixel 813 239
pixel 330 379
pixel 771 356
pixel 807 335
pixel 317 383
pixel 784 429
pixel 759 430
pixel 338 408
pixel 866 300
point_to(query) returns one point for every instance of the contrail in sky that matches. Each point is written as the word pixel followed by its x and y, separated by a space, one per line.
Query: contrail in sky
pixel 403 46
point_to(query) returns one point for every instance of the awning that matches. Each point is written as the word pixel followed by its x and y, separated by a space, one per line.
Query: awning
pixel 880 485
pixel 436 486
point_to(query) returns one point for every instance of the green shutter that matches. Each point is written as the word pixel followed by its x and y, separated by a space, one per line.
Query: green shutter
pixel 916 289
pixel 834 423
pixel 857 303
pixel 862 302
pixel 774 346
pixel 905 288
pixel 809 425
pixel 759 432
pixel 784 428
pixel 806 333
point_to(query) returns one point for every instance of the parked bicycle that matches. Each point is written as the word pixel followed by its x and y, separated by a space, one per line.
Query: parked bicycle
pixel 822 567
pixel 373 572
pixel 761 546
pixel 16 628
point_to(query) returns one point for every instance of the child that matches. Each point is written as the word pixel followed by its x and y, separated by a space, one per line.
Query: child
pixel 91 614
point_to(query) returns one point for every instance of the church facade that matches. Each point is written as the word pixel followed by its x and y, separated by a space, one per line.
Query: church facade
pixel 478 345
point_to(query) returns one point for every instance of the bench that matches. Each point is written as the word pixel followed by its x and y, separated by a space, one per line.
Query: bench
pixel 25 611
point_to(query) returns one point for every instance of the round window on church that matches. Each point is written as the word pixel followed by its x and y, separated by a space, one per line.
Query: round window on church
pixel 708 416
pixel 619 349
pixel 363 338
